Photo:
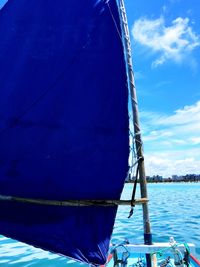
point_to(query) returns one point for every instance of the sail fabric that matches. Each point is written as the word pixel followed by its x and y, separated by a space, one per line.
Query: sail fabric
pixel 63 122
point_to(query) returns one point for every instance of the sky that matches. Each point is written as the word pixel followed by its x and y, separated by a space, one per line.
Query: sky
pixel 2 2
pixel 165 37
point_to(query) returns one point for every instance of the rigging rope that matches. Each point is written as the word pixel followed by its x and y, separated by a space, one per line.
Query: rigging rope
pixel 134 188
pixel 160 252
pixel 79 203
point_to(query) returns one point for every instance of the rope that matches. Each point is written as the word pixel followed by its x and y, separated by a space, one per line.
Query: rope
pixel 160 252
pixel 134 188
pixel 79 203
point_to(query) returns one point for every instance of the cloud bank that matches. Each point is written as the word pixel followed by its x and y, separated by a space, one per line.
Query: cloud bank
pixel 172 142
pixel 174 42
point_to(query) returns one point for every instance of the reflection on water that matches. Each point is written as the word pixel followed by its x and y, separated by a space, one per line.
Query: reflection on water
pixel 173 211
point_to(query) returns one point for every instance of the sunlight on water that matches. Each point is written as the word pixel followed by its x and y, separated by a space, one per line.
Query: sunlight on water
pixel 173 210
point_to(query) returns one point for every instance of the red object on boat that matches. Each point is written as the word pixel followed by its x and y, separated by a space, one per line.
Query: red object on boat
pixel 195 259
pixel 109 258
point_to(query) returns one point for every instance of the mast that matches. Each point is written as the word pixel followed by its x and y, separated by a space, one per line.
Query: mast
pixel 136 124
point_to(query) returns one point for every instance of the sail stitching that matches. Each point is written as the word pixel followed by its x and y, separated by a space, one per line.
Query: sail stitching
pixel 45 92
pixel 119 33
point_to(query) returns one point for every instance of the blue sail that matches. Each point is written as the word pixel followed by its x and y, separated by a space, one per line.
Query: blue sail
pixel 63 122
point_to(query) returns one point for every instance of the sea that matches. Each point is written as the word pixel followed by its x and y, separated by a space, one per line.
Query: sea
pixel 174 212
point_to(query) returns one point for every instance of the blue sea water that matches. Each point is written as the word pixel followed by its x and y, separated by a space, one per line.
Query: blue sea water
pixel 174 211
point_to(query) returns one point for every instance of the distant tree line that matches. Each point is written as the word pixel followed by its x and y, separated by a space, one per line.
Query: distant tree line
pixel 174 178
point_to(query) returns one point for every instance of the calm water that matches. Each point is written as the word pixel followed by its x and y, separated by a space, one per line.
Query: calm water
pixel 174 211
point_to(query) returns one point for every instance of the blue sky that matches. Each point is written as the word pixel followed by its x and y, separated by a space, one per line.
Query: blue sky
pixel 165 36
pixel 2 2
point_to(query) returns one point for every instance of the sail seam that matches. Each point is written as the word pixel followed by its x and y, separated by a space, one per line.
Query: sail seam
pixel 118 31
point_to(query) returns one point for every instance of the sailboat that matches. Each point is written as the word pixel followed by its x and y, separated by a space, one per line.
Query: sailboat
pixel 65 79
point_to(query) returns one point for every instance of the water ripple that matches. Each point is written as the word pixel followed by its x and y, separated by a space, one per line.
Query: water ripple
pixel 173 211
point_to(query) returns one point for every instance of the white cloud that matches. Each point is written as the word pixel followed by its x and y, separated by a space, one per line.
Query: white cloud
pixel 164 8
pixel 167 164
pixel 188 114
pixel 195 140
pixel 172 42
pixel 183 121
pixel 162 84
pixel 172 143
pixel 138 75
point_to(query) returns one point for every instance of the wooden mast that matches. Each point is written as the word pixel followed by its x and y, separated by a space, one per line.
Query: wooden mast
pixel 136 124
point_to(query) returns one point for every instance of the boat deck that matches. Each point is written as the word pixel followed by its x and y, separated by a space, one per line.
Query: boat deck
pixel 160 254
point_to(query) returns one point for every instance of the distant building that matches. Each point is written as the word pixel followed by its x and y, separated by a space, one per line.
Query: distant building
pixel 154 178
pixel 176 178
pixel 191 178
pixel 186 178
